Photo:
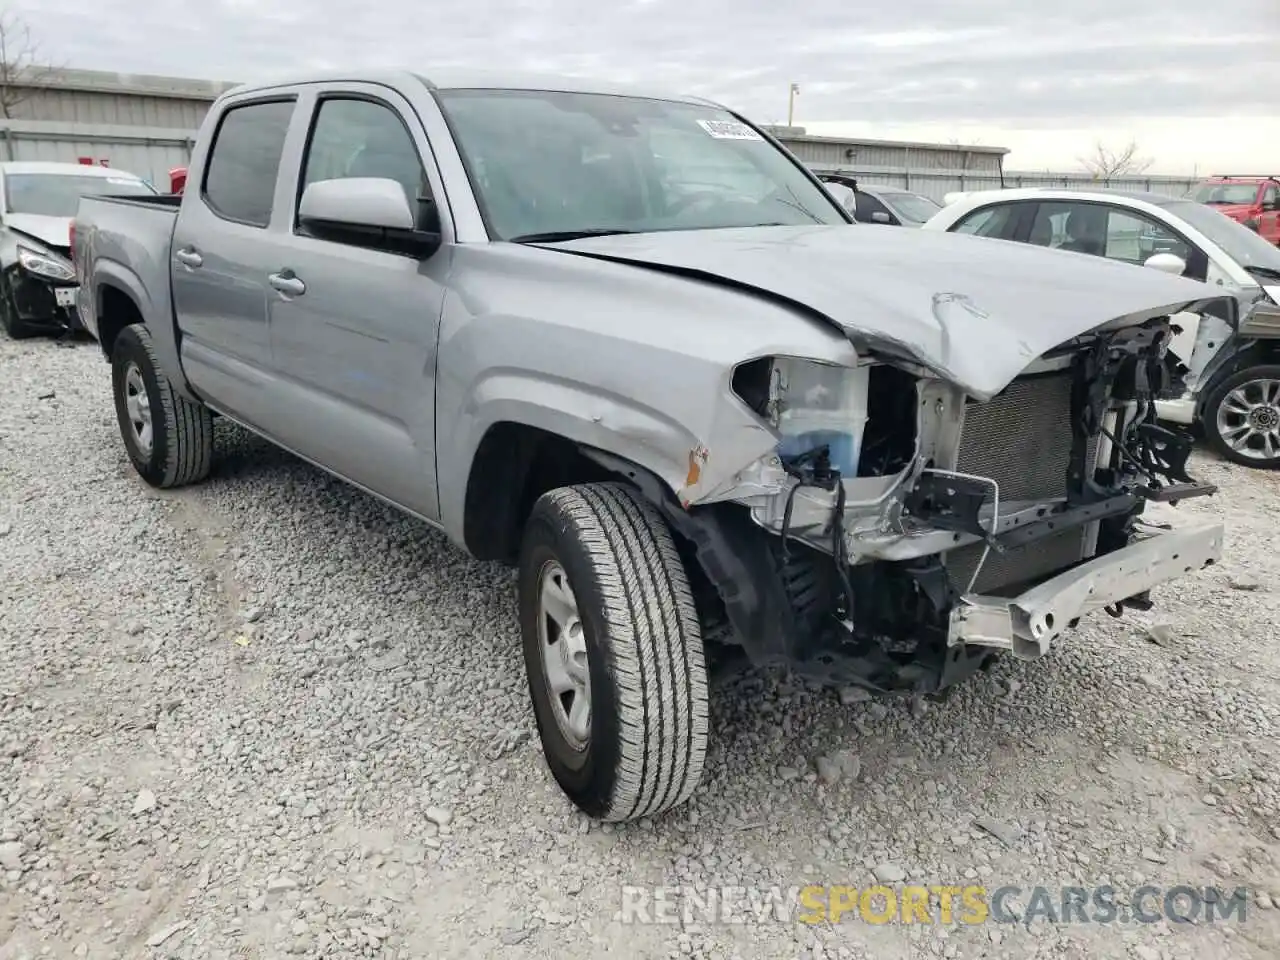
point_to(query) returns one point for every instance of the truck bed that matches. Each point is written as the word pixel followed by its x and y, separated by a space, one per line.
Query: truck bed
pixel 126 243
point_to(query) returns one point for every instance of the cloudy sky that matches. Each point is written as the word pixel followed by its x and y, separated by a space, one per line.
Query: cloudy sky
pixel 1195 84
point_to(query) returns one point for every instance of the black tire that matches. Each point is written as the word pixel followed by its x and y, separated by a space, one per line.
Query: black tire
pixel 648 682
pixel 181 448
pixel 1214 403
pixel 15 328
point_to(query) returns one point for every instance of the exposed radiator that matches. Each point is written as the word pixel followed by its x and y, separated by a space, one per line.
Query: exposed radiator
pixel 1022 440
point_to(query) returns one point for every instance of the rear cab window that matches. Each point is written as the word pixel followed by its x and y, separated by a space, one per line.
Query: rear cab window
pixel 244 161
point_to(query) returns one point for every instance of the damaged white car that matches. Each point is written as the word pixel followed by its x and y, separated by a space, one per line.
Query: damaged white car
pixel 626 342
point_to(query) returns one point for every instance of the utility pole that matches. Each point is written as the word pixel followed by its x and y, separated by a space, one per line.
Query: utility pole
pixel 791 104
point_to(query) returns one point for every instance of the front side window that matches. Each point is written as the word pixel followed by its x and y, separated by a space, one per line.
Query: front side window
pixel 361 138
pixel 58 195
pixel 240 178
pixel 1270 196
pixel 869 206
pixel 1104 231
pixel 1134 238
pixel 988 222
pixel 545 162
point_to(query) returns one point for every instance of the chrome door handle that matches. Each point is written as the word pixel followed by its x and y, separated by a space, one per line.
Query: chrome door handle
pixel 288 284
pixel 189 258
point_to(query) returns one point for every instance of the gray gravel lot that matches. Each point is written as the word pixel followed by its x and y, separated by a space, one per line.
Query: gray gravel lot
pixel 270 716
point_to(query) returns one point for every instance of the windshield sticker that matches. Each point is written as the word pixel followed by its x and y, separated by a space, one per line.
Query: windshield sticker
pixel 729 130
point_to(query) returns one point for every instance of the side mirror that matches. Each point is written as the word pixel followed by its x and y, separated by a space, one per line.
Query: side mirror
pixel 371 211
pixel 881 217
pixel 357 202
pixel 1166 263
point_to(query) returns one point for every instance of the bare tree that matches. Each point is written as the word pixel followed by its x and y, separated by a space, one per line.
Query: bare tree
pixel 1106 164
pixel 22 65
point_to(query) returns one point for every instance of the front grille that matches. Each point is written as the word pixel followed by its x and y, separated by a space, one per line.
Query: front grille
pixel 1022 440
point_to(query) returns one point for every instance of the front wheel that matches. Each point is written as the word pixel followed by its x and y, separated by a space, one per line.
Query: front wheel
pixel 169 438
pixel 10 322
pixel 613 652
pixel 1242 417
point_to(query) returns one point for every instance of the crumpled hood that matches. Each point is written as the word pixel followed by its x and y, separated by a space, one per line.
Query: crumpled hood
pixel 54 231
pixel 975 311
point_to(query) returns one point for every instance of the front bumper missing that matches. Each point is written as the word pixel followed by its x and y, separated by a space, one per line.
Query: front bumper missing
pixel 1028 623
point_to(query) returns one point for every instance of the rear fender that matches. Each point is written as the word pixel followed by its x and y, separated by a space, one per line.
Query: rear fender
pixel 158 317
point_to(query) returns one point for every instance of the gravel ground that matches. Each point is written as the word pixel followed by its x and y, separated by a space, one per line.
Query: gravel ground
pixel 270 716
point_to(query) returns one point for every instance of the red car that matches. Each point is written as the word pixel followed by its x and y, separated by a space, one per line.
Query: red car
pixel 1252 200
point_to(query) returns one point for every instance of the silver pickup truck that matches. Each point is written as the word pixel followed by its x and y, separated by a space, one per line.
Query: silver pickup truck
pixel 629 344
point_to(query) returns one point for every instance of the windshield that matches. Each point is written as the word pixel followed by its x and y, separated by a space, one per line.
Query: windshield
pixel 911 206
pixel 1227 193
pixel 58 194
pixel 546 163
pixel 1240 243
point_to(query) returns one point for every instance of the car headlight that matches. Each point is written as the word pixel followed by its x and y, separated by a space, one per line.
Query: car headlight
pixel 42 265
pixel 809 404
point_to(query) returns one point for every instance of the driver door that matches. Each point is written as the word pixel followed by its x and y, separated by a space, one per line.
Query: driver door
pixel 354 325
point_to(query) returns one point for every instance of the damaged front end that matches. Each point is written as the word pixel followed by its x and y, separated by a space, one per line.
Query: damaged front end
pixel 40 288
pixel 903 534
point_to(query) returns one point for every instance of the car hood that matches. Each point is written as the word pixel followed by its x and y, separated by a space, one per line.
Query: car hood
pixel 54 231
pixel 1236 211
pixel 975 311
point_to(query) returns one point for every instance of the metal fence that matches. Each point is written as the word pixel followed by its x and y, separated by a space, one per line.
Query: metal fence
pixel 938 183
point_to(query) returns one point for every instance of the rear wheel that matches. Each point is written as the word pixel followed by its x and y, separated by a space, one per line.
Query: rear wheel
pixel 613 652
pixel 1242 417
pixel 169 438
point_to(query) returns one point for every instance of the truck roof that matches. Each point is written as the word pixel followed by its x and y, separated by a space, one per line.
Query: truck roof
pixel 462 78
pixel 66 169
pixel 1241 178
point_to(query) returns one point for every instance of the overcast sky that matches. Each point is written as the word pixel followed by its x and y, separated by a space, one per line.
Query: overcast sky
pixel 1196 84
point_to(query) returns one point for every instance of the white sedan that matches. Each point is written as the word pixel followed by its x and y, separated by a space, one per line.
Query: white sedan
pixel 1228 384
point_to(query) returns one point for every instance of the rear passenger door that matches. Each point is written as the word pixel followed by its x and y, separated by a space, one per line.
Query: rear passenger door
pixel 220 240
pixel 355 340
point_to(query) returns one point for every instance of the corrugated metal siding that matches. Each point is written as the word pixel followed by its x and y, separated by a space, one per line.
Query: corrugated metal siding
pixel 121 109
pixel 833 154
pixel 147 152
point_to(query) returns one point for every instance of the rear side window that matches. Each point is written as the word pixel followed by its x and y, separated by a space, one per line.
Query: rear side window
pixel 240 178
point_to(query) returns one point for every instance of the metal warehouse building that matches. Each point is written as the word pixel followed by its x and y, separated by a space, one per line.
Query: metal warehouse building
pixel 139 123
pixel 935 169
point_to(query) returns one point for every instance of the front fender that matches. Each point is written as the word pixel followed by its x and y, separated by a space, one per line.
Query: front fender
pixel 627 361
